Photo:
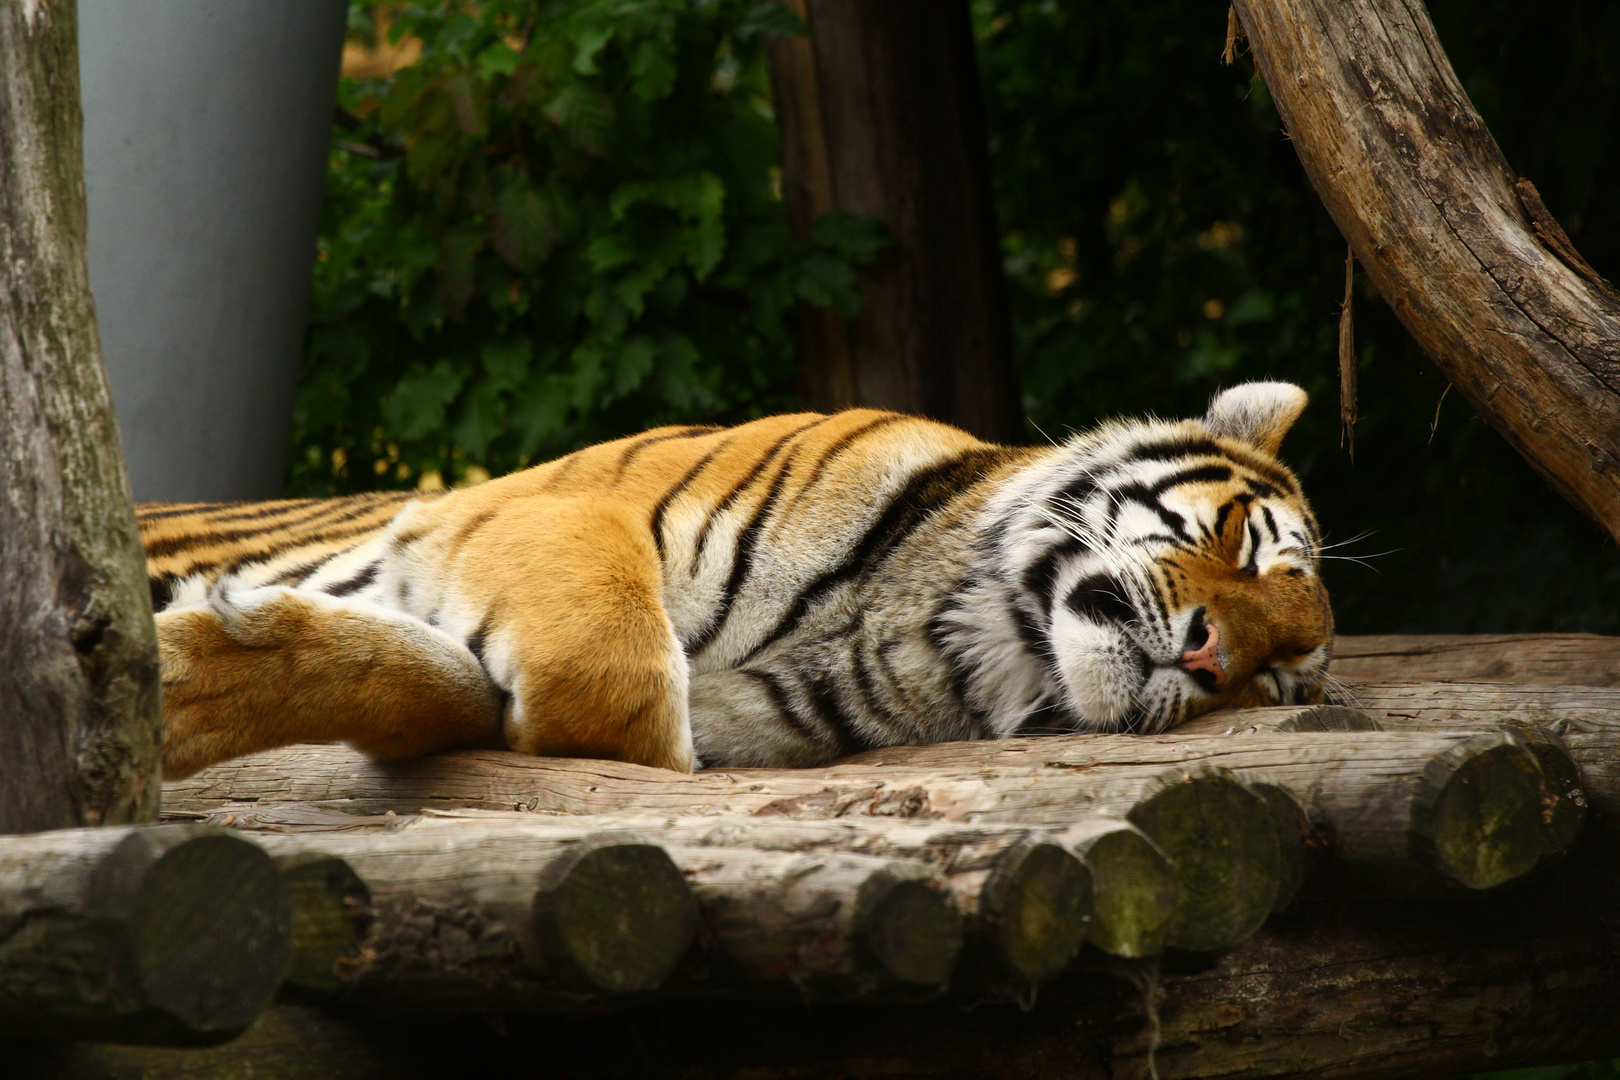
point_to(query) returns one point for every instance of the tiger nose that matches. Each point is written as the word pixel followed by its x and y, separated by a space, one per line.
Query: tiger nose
pixel 1206 657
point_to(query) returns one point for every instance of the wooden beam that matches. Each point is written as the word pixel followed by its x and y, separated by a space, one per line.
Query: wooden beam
pixel 1587 659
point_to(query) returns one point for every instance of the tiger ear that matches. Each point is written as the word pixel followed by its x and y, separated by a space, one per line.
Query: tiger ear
pixel 1258 413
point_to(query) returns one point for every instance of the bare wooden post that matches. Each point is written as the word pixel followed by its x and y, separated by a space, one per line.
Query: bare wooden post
pixel 880 114
pixel 1465 253
pixel 79 713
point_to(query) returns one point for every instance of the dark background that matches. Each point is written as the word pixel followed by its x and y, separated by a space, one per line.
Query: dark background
pixel 470 307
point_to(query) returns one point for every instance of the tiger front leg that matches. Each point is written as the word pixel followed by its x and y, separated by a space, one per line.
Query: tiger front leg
pixel 566 594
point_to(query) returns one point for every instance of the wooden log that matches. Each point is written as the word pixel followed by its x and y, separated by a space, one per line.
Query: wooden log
pixel 1135 891
pixel 824 926
pixel 172 934
pixel 1284 718
pixel 1585 720
pixel 1583 659
pixel 1024 898
pixel 331 919
pixel 1023 904
pixel 1219 835
pixel 466 919
pixel 1405 814
pixel 1373 989
pixel 1460 247
pixel 79 714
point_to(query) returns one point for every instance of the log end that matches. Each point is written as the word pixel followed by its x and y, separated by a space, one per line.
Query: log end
pixel 331 915
pixel 208 928
pixel 617 914
pixel 1035 907
pixel 1221 838
pixel 911 926
pixel 1486 823
pixel 1135 893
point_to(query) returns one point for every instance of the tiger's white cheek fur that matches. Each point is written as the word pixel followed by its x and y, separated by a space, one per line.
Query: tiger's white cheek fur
pixel 1100 666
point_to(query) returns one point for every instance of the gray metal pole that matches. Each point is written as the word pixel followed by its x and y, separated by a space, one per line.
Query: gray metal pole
pixel 206 125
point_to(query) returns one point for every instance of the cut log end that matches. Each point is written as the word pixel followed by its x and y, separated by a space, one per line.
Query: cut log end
pixel 1135 893
pixel 912 926
pixel 172 935
pixel 331 913
pixel 1222 840
pixel 1488 825
pixel 1035 908
pixel 618 913
pixel 210 930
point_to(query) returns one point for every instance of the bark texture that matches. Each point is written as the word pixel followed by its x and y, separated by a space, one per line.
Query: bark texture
pixel 1458 245
pixel 79 712
pixel 881 115
pixel 1587 659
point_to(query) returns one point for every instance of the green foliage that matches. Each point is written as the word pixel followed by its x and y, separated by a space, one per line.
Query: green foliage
pixel 557 226
pixel 1162 241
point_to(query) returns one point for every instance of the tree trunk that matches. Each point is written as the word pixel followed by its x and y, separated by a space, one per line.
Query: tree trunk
pixel 1469 259
pixel 79 712
pixel 880 114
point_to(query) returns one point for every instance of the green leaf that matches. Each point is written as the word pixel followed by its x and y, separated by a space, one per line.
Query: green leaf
pixel 498 59
pixel 770 18
pixel 584 114
pixel 521 228
pixel 506 362
pixel 588 44
pixel 860 238
pixel 417 404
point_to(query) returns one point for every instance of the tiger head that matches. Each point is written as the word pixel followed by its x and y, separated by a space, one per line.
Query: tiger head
pixel 1167 569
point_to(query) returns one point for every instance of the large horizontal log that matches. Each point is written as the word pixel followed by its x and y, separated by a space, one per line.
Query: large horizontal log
pixel 824 926
pixel 1029 909
pixel 1220 835
pixel 1586 720
pixel 1582 659
pixel 558 919
pixel 169 934
pixel 1405 814
pixel 1362 990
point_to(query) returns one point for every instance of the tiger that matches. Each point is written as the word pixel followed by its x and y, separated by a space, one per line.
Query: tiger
pixel 775 594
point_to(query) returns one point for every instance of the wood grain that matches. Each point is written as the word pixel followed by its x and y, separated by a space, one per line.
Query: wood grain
pixel 1586 659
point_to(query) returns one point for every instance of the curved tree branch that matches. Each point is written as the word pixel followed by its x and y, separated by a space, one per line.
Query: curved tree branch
pixel 1471 262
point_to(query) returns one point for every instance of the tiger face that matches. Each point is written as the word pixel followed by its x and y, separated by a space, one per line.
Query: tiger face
pixel 1176 569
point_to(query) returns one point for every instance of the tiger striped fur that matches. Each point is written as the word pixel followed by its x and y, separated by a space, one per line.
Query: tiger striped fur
pixel 778 593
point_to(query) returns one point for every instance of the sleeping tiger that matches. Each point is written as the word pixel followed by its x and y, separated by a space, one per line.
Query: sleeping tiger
pixel 775 594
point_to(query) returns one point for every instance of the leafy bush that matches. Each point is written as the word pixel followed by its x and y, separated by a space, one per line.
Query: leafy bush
pixel 558 225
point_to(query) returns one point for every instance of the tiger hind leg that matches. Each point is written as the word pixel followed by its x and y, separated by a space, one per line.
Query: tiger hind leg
pixel 254 669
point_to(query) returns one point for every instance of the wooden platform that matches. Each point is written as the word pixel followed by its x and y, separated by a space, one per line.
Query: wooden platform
pixel 1420 881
